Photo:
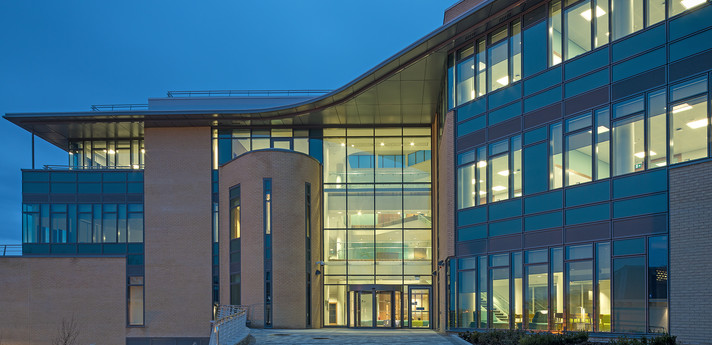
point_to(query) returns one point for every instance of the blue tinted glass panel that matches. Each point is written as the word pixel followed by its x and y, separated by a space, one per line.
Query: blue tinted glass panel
pixel 586 83
pixel 535 135
pixel 691 45
pixel 578 123
pixel 472 233
pixel 92 176
pixel 543 221
pixel 505 113
pixel 587 214
pixel 467 157
pixel 638 206
pixel 34 176
pixel 505 227
pixel 472 216
pixel 499 147
pixel 542 81
pixel 536 175
pixel 638 43
pixel 64 188
pixel 588 194
pixel 629 247
pixel 534 49
pixel 467 263
pixel 688 88
pixel 544 202
pixel 63 177
pixel 135 176
pixel 654 181
pixel 505 96
pixel 585 64
pixel 579 252
pixel 91 188
pixel 689 23
pixel 505 209
pixel 638 65
pixel 114 188
pixel 537 256
pixel 471 126
pixel 35 187
pixel 114 177
pixel 628 107
pixel 471 110
pixel 543 99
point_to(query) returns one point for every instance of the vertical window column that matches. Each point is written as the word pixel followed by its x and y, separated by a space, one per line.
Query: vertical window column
pixel 235 244
pixel 267 220
pixel 308 233
pixel 135 308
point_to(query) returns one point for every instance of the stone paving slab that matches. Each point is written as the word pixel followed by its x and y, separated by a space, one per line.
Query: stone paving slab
pixel 352 336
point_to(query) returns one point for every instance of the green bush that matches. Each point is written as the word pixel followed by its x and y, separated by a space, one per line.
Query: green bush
pixel 523 338
pixel 664 339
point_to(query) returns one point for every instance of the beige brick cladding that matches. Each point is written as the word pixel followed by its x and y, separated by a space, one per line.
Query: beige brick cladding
pixel 445 211
pixel 289 171
pixel 178 241
pixel 36 294
pixel 691 252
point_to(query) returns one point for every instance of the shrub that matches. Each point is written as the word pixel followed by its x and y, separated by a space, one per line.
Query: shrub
pixel 664 339
pixel 523 338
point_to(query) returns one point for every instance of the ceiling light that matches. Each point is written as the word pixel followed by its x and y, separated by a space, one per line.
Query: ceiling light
pixel 383 144
pixel 359 213
pixel 111 152
pixel 481 164
pixel 602 129
pixel 587 13
pixel 556 59
pixel 697 123
pixel 482 192
pixel 143 150
pixel 504 80
pixel 517 194
pixel 135 166
pixel 343 144
pixel 692 3
pixel 481 66
pixel 412 143
pixel 639 154
pixel 473 181
pixel 472 94
pixel 503 173
pixel 498 188
pixel 661 164
pixel 681 107
pixel 472 66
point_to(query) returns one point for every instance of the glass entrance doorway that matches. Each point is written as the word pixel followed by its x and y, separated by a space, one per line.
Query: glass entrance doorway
pixel 387 306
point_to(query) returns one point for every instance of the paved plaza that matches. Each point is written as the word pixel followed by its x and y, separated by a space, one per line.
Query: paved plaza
pixel 351 336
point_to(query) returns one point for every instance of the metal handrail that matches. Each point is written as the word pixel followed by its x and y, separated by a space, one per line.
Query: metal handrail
pixel 248 93
pixel 10 250
pixel 83 167
pixel 117 107
pixel 230 320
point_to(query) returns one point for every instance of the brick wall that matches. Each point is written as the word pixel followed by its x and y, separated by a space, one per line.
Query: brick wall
pixel 289 171
pixel 36 294
pixel 691 252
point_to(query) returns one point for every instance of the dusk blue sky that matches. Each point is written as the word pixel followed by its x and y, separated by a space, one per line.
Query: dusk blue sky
pixel 61 56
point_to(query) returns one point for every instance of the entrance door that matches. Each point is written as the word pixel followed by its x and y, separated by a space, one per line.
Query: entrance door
pixel 364 310
pixel 384 309
pixel 371 307
pixel 419 307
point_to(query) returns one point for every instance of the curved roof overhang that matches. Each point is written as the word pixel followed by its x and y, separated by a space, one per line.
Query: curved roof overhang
pixel 405 89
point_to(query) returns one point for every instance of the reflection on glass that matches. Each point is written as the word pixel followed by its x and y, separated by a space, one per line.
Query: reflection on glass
pixel 555 54
pixel 657 284
pixel 499 171
pixel 557 289
pixel 536 298
pixel 515 42
pixel 335 305
pixel 602 33
pixel 603 146
pixel 657 125
pixel 629 295
pixel 688 131
pixel 497 56
pixel 465 81
pixel 555 157
pixel 628 145
pixel 577 36
pixel 499 284
pixel 626 17
pixel 603 278
pixel 580 292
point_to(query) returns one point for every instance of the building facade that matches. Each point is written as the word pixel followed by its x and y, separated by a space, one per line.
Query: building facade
pixel 528 165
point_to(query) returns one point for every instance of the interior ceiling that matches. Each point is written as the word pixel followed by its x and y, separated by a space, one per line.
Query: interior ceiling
pixel 403 90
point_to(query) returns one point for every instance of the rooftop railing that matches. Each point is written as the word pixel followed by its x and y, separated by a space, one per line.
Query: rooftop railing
pixel 72 167
pixel 118 107
pixel 248 93
pixel 10 250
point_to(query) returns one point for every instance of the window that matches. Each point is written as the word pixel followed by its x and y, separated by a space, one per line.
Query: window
pixel 658 284
pixel 601 34
pixel 499 172
pixel 515 50
pixel 626 17
pixel 603 146
pixel 689 121
pixel 657 126
pixel 466 80
pixel 578 158
pixel 267 210
pixel 135 307
pixel 577 36
pixel 555 53
pixel 555 157
pixel 628 137
pixel 679 6
pixel 629 294
pixel 497 55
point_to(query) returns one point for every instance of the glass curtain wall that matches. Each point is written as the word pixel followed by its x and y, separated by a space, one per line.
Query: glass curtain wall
pixel 377 210
pixel 593 287
pixel 107 154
